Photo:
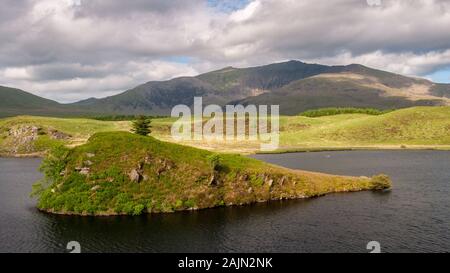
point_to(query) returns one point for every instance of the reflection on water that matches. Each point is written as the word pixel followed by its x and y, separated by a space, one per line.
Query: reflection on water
pixel 413 217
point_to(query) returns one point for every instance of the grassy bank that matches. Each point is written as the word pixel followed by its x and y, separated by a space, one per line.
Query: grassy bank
pixel 122 173
pixel 412 128
pixel 29 135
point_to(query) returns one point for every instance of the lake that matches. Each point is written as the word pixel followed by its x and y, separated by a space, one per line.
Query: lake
pixel 413 217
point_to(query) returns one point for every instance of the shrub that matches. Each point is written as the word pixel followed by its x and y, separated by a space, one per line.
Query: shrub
pixel 138 209
pixel 52 166
pixel 189 203
pixel 178 204
pixel 338 111
pixel 142 126
pixel 214 162
pixel 381 182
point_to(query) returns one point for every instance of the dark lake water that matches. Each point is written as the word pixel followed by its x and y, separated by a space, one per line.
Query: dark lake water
pixel 413 217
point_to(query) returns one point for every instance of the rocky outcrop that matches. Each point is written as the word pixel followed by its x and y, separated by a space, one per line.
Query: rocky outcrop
pixel 212 180
pixel 164 165
pixel 135 175
pixel 83 170
pixel 55 134
pixel 22 138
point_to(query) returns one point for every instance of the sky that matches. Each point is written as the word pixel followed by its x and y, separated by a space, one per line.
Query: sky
pixel 68 50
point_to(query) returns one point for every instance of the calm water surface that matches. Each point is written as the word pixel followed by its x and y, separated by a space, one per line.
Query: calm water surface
pixel 413 217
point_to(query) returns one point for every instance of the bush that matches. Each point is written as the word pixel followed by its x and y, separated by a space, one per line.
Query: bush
pixel 189 203
pixel 214 162
pixel 52 166
pixel 121 117
pixel 338 111
pixel 381 182
pixel 138 209
pixel 55 162
pixel 128 208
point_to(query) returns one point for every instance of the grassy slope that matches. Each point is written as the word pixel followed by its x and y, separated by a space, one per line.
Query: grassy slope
pixel 78 129
pixel 417 127
pixel 176 178
pixel 15 102
pixel 321 92
pixel 420 126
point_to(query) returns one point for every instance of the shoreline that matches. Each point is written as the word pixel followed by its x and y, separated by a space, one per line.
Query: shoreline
pixel 115 214
pixel 293 150
pixel 239 181
pixel 357 148
pixel 30 155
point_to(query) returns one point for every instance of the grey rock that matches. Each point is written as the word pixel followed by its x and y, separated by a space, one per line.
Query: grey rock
pixel 135 176
pixel 212 180
pixel 85 171
pixel 87 163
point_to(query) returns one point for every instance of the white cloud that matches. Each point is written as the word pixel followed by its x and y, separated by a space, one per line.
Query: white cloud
pixel 69 50
pixel 14 73
pixel 70 83
pixel 245 13
pixel 407 63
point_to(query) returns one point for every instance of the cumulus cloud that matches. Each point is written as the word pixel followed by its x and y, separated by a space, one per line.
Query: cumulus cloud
pixel 74 49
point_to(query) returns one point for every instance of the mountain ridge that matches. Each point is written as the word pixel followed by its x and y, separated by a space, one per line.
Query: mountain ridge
pixel 294 85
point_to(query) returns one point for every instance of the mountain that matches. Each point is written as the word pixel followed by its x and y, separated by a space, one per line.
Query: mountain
pixel 354 86
pixel 154 97
pixel 294 85
pixel 217 87
pixel 15 101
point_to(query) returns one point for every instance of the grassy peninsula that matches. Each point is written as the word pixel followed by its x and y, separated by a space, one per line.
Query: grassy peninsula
pixel 122 173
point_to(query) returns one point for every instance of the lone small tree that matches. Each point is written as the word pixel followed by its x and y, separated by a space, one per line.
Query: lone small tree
pixel 142 126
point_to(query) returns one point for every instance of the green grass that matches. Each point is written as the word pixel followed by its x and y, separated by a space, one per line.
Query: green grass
pixel 74 126
pixel 418 126
pixel 174 178
pixel 415 128
pixel 77 130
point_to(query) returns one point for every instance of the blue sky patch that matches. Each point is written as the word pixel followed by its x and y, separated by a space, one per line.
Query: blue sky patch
pixel 228 5
pixel 441 76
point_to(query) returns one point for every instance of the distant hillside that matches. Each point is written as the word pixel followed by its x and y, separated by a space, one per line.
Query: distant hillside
pixel 406 128
pixel 254 80
pixel 217 87
pixel 350 90
pixel 15 101
pixel 294 85
pixel 154 97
